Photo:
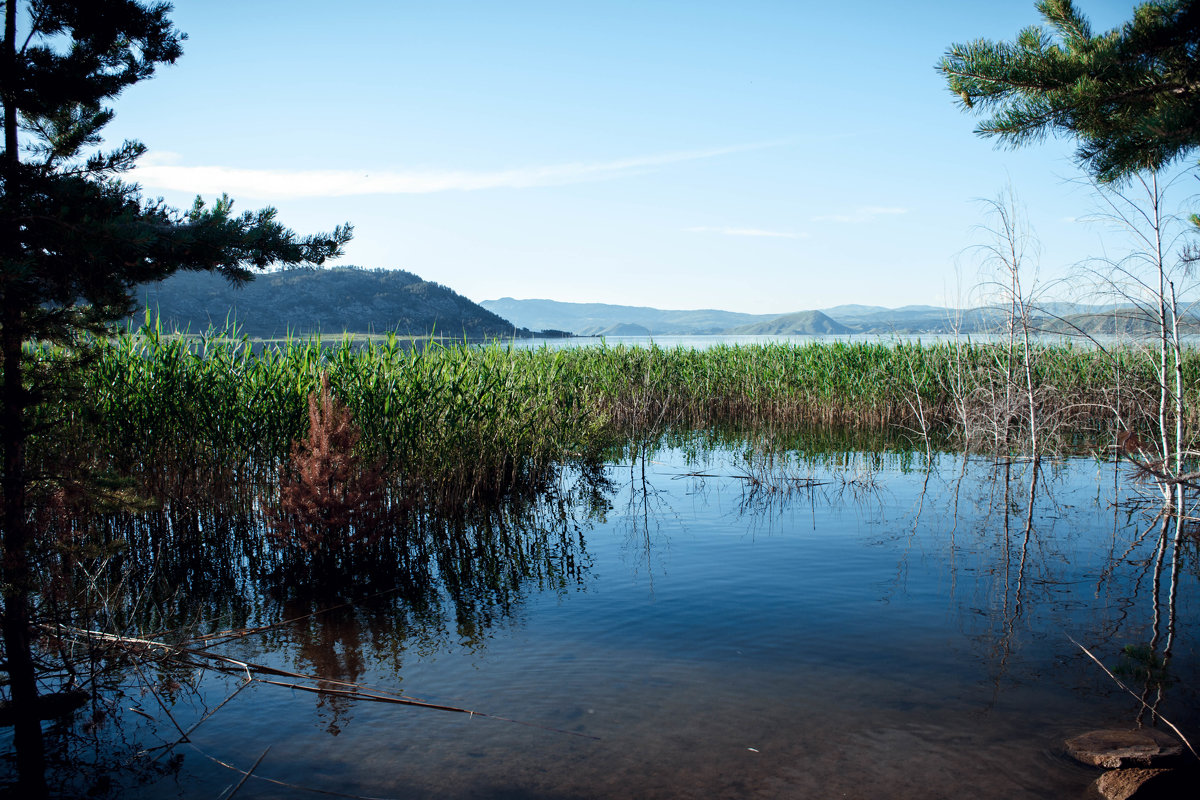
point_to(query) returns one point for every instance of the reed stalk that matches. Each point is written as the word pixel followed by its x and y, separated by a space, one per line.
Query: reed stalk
pixel 459 424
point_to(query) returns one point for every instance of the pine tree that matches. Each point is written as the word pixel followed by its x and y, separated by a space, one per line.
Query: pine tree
pixel 330 495
pixel 75 239
pixel 1130 96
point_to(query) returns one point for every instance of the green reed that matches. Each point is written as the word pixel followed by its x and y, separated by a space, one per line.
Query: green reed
pixel 461 422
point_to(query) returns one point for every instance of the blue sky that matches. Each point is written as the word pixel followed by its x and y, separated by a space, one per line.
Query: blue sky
pixel 752 156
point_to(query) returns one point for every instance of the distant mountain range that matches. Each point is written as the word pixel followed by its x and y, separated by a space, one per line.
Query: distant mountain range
pixel 352 299
pixel 331 300
pixel 599 319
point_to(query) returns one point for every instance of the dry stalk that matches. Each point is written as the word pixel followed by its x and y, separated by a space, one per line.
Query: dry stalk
pixel 190 656
pixel 1117 680
pixel 330 495
pixel 247 774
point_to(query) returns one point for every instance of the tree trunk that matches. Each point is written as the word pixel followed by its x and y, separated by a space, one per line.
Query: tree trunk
pixel 14 567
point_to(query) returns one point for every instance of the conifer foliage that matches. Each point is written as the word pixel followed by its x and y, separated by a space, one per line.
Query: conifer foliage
pixel 75 239
pixel 330 496
pixel 1130 96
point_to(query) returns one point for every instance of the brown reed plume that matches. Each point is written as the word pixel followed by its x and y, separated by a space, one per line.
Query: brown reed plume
pixel 329 498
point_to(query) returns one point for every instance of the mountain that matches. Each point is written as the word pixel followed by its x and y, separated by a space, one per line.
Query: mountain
pixel 796 324
pixel 600 319
pixel 356 300
pixel 919 319
pixel 593 319
pixel 332 300
pixel 623 329
pixel 1116 322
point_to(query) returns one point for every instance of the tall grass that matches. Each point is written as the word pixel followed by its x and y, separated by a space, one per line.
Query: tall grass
pixel 456 423
pixel 460 423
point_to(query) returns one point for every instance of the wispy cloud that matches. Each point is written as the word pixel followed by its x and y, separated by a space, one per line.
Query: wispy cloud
pixel 164 172
pixel 862 214
pixel 749 232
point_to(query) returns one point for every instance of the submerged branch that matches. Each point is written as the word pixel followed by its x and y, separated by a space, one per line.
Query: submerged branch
pixel 1117 681
pixel 190 656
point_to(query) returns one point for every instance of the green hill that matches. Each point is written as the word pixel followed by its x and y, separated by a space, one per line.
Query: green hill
pixel 620 329
pixel 330 301
pixel 798 323
pixel 1122 321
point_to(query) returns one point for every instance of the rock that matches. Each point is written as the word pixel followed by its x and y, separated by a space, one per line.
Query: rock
pixel 1125 784
pixel 1118 749
pixel 1139 783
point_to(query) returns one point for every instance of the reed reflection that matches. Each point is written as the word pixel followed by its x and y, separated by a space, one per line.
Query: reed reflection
pixel 1000 546
pixel 1015 541
pixel 150 605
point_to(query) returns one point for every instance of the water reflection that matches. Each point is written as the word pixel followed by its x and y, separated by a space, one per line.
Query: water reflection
pixel 801 591
pixel 647 513
pixel 201 576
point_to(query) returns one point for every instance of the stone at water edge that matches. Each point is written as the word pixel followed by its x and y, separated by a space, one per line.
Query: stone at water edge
pixel 1145 784
pixel 1117 749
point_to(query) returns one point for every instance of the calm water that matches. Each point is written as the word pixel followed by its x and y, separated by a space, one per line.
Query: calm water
pixel 891 632
pixel 705 342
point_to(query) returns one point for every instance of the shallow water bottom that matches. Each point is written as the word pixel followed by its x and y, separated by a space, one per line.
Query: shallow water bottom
pixel 662 737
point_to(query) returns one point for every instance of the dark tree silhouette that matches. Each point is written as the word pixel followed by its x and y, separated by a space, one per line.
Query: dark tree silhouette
pixel 75 240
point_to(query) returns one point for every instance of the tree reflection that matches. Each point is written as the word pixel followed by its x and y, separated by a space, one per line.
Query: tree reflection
pixel 200 576
pixel 1010 548
pixel 1029 566
pixel 1003 536
pixel 646 506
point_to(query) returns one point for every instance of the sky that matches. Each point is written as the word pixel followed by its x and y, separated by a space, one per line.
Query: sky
pixel 758 156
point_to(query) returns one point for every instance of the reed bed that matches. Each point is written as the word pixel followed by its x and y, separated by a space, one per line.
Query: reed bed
pixel 456 423
pixel 490 455
pixel 460 423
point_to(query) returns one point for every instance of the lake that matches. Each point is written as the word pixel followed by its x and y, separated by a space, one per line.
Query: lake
pixel 705 342
pixel 696 622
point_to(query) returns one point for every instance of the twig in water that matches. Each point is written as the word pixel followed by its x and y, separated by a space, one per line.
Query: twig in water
pixel 166 748
pixel 221 637
pixel 246 776
pixel 358 694
pixel 156 696
pixel 285 784
pixel 1117 680
pixel 357 691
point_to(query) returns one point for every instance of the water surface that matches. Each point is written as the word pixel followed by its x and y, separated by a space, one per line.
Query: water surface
pixel 875 630
pixel 704 342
